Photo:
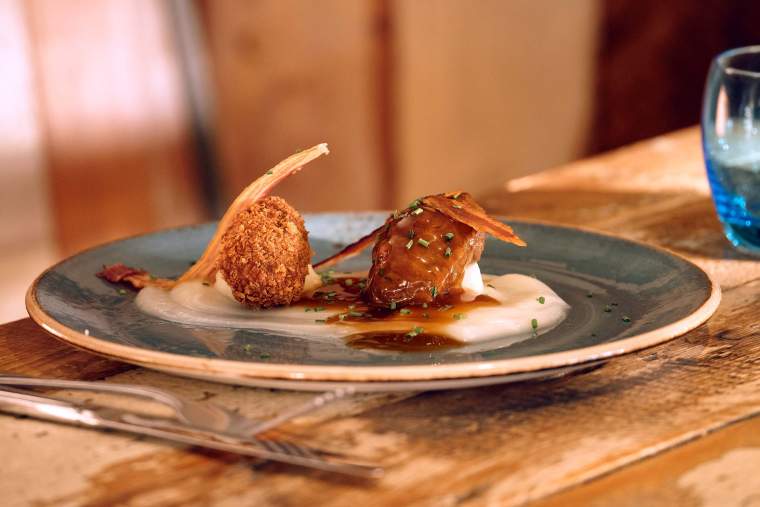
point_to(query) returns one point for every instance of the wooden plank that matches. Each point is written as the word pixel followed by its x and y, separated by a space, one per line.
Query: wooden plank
pixel 718 469
pixel 27 350
pixel 498 445
pixel 291 74
pixel 658 194
pixel 112 109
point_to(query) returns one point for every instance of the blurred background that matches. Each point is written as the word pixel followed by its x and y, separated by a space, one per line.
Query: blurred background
pixel 124 116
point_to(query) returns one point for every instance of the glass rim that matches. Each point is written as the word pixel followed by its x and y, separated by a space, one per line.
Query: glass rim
pixel 723 58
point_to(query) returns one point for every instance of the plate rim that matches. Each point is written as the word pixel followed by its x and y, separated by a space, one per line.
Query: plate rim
pixel 231 370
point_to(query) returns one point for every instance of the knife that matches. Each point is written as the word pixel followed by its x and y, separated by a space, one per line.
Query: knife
pixel 42 407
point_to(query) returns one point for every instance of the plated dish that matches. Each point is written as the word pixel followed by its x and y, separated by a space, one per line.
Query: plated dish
pixel 445 304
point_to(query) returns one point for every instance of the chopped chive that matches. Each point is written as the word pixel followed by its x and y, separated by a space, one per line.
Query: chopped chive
pixel 423 242
pixel 626 319
pixel 269 172
pixel 319 309
pixel 459 316
pixel 410 234
pixel 353 313
pixel 434 291
pixel 248 348
pixel 349 282
pixel 456 206
pixel 534 324
pixel 456 196
pixel 447 253
pixel 307 309
pixel 541 299
pixel 320 321
pixel 331 294
pixel 206 284
pixel 342 316
pixel 410 244
pixel 417 211
pixel 152 277
pixel 424 305
pixel 416 330
pixel 122 292
pixel 392 305
pixel 607 308
pixel 362 285
pixel 614 304
pixel 405 311
pixel 265 356
pixel 448 236
pixel 589 295
pixel 414 204
pixel 490 285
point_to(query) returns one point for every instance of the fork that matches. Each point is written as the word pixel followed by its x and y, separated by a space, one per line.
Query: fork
pixel 206 415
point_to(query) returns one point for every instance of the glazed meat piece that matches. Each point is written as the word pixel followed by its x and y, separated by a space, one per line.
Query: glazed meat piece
pixel 420 254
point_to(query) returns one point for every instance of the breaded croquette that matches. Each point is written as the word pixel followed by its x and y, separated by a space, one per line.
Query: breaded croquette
pixel 265 254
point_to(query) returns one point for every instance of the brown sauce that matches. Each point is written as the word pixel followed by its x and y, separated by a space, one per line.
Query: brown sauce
pixel 409 328
pixel 383 340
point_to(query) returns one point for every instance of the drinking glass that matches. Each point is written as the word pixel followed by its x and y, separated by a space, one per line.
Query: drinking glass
pixel 731 143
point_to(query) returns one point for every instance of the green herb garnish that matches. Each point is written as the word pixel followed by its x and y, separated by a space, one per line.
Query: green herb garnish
pixel 534 324
pixel 626 319
pixel 414 204
pixel 459 316
pixel 448 236
pixel 409 244
pixel 607 308
pixel 410 234
pixel 456 206
pixel 348 282
pixel 122 292
pixel 416 330
pixel 269 172
pixel 447 253
pixel 392 305
pixel 353 313
pixel 423 243
pixel 405 311
pixel 434 291
pixel 541 299
pixel 417 211
pixel 589 295
pixel 265 356
pixel 320 321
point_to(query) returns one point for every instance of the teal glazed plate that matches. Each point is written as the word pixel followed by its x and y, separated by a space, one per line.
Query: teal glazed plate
pixel 650 295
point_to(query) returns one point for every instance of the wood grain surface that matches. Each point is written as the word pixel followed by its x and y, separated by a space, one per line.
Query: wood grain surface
pixel 632 432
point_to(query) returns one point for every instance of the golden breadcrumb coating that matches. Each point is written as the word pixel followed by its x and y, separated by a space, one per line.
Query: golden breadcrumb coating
pixel 265 254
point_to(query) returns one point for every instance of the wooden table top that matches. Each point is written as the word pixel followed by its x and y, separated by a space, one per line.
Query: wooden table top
pixel 674 424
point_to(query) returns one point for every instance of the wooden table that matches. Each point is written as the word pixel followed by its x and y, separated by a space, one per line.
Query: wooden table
pixel 675 424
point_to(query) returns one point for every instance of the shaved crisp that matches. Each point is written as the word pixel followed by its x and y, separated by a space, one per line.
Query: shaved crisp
pixel 137 278
pixel 351 250
pixel 463 210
